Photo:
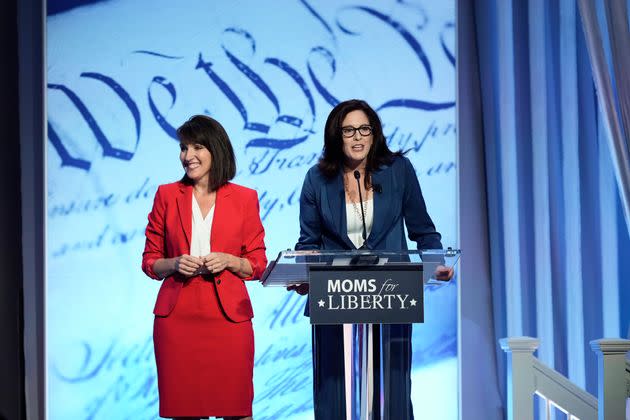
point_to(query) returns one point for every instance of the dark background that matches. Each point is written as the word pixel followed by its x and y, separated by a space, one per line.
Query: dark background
pixel 12 398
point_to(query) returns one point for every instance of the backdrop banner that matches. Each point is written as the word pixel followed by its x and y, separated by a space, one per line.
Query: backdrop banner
pixel 123 75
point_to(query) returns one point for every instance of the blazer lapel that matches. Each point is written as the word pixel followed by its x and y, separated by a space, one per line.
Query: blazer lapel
pixel 382 205
pixel 219 230
pixel 184 206
pixel 336 198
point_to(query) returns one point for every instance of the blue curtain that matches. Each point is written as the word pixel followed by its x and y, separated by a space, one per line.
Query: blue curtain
pixel 558 244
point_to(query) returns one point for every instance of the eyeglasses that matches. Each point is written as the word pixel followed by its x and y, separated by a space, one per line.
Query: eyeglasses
pixel 348 131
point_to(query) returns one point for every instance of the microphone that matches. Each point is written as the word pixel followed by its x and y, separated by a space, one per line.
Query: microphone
pixel 357 176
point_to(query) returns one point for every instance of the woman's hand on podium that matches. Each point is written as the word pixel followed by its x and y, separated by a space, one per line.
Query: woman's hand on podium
pixel 300 289
pixel 443 273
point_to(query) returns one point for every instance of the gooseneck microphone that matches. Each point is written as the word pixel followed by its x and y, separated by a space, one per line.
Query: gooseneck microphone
pixel 357 176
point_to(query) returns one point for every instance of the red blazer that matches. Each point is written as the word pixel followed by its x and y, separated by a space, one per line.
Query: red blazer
pixel 236 229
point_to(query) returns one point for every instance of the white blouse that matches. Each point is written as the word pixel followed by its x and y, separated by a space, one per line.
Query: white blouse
pixel 355 222
pixel 200 240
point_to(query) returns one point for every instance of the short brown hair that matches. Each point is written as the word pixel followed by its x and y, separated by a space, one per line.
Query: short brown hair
pixel 208 132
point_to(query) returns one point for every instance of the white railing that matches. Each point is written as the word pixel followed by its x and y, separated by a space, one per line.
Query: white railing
pixel 528 376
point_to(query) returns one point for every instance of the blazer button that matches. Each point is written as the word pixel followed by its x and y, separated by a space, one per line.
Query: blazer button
pixel 218 281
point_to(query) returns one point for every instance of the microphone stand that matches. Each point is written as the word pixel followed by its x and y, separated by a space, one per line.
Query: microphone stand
pixel 367 259
pixel 369 331
pixel 357 176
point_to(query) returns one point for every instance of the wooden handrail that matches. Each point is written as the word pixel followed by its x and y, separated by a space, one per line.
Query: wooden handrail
pixel 528 376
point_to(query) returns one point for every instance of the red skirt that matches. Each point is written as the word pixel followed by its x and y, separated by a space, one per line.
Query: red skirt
pixel 205 362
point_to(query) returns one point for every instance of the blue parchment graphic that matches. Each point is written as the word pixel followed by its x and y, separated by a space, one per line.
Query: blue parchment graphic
pixel 122 75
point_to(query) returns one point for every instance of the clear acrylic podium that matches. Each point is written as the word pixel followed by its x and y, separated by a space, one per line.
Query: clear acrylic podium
pixel 362 288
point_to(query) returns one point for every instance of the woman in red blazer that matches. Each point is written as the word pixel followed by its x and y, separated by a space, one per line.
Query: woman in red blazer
pixel 204 238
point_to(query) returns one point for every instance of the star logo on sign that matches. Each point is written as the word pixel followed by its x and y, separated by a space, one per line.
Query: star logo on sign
pixel 321 303
pixel 412 302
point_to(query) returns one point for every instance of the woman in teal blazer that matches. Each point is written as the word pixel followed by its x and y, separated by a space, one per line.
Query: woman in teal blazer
pixel 354 141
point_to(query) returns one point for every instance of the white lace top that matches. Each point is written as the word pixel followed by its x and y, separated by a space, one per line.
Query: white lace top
pixel 354 221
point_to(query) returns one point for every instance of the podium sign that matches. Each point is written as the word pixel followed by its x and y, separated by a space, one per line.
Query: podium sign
pixel 363 287
pixel 391 294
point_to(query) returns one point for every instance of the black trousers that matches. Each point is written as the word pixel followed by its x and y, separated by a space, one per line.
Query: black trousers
pixel 394 348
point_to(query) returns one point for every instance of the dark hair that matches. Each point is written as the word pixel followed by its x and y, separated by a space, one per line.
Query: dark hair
pixel 333 157
pixel 208 132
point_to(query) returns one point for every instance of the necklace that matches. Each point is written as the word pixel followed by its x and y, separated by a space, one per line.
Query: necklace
pixel 355 206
